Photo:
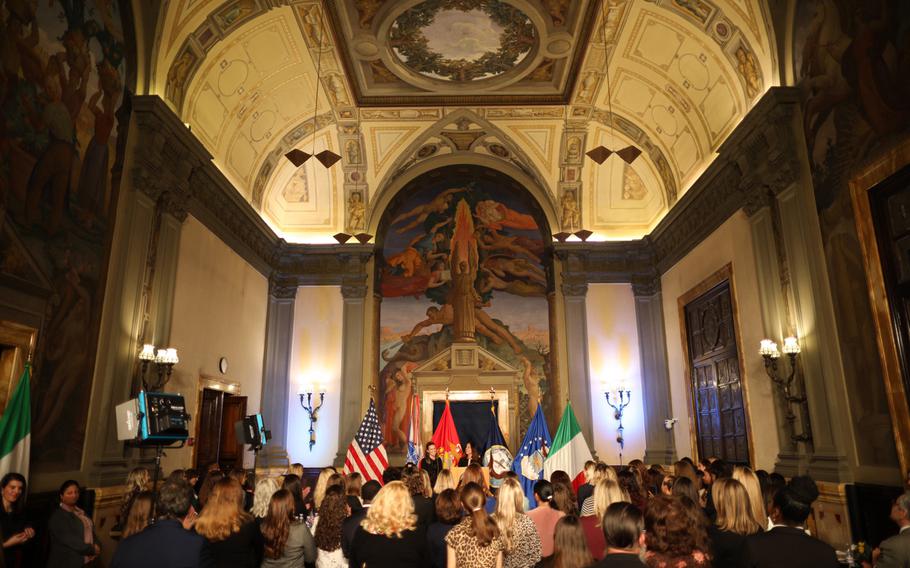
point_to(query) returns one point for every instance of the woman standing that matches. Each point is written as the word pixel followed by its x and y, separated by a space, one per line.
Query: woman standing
pixel 287 540
pixel 676 535
pixel 445 480
pixel 448 514
pixel 521 543
pixel 139 514
pixel 569 547
pixel 16 533
pixel 545 516
pixel 431 463
pixel 233 538
pixel 606 492
pixel 388 537
pixel 332 513
pixel 474 474
pixel 72 534
pixel 136 482
pixel 734 523
pixel 475 541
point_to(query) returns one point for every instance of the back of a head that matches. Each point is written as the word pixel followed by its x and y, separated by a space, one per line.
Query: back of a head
pixel 684 468
pixel 392 511
pixel 474 474
pixel 564 498
pixel 174 499
pixel 265 488
pixel 560 476
pixel 369 490
pixel 473 499
pixel 795 500
pixel 606 493
pixel 391 474
pixel 570 547
pixel 673 529
pixel 622 525
pixel 683 486
pixel 720 469
pixel 543 490
pixel 589 470
pixel 448 507
pixel 275 527
pixel 510 498
pixel 734 513
pixel 444 480
pixel 414 481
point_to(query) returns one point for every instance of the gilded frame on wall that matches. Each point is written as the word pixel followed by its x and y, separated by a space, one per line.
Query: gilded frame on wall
pixel 876 172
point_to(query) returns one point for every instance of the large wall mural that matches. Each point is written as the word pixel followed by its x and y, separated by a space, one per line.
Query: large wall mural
pixel 61 86
pixel 462 256
pixel 852 64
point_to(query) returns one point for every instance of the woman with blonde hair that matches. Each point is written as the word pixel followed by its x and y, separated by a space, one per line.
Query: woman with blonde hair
pixel 604 471
pixel 388 536
pixel 233 538
pixel 287 541
pixel 520 541
pixel 747 477
pixel 734 523
pixel 296 469
pixel 265 488
pixel 139 514
pixel 475 541
pixel 444 480
pixel 321 484
pixel 137 481
pixel 606 492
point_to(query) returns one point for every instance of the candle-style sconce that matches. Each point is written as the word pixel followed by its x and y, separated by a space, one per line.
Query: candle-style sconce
pixel 618 401
pixel 306 401
pixel 771 354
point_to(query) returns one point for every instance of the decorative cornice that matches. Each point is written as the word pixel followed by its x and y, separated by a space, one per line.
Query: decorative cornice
pixel 282 287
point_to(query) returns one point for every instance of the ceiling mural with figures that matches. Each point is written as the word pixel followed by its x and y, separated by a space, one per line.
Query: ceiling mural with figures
pixel 531 74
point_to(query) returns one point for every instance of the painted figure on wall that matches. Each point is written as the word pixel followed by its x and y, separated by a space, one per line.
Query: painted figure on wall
pixel 852 65
pixel 462 260
pixel 61 86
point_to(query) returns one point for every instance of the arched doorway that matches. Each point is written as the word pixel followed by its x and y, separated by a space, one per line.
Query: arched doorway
pixel 463 270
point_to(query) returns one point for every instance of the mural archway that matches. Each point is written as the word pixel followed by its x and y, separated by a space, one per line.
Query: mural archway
pixel 463 262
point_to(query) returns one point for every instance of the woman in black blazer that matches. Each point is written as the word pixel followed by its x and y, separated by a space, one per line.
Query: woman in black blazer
pixel 72 534
pixel 734 523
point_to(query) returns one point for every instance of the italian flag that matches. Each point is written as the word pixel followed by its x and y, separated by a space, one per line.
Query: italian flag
pixel 15 429
pixel 569 451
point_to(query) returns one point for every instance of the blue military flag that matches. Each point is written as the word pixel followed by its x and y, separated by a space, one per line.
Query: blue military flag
pixel 529 460
pixel 497 456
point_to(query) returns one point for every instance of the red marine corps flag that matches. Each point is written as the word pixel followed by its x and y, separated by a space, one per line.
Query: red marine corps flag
pixel 366 454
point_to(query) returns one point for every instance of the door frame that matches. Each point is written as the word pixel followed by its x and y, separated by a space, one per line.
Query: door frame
pixel 725 273
pixel 211 383
pixel 878 171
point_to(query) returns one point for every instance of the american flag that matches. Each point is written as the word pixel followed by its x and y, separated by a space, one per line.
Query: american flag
pixel 366 454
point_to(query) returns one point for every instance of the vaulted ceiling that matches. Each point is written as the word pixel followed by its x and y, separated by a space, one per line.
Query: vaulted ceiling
pixel 516 84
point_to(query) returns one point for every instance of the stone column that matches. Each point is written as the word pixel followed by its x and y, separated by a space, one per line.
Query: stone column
pixel 276 381
pixel 660 446
pixel 354 292
pixel 578 384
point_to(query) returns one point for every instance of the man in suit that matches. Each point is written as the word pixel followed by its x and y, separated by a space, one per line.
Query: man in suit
pixel 367 493
pixel 787 545
pixel 895 551
pixel 166 544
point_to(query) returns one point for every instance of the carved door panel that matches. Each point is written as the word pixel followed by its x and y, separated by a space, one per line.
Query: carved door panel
pixel 208 441
pixel 720 415
pixel 231 452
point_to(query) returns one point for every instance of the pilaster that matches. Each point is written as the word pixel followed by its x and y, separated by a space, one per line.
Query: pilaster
pixel 279 332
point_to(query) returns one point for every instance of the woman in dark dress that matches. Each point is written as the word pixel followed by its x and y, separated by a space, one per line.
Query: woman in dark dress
pixel 448 514
pixel 72 534
pixel 431 463
pixel 389 536
pixel 16 533
pixel 734 523
pixel 234 540
pixel 470 455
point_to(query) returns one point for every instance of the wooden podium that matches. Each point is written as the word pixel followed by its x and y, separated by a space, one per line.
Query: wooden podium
pixel 458 471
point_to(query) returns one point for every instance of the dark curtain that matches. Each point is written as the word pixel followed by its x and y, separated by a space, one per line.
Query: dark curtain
pixel 472 420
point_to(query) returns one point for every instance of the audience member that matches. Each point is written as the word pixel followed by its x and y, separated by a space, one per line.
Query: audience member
pixel 327 529
pixel 423 505
pixel 640 470
pixel 563 498
pixel 773 484
pixel 73 541
pixel 388 537
pixel 733 523
pixel 895 551
pixel 520 541
pixel 287 541
pixel 628 481
pixel 321 485
pixel 448 514
pixel 431 463
pixel 265 488
pixel 353 485
pixel 474 474
pixel 622 527
pixel 475 541
pixel 676 535
pixel 349 528
pixel 545 516
pixel 444 480
pixel 526 503
pixel 166 543
pixel 296 469
pixel 139 514
pixel 685 468
pixel 137 481
pixel 655 479
pixel 787 545
pixel 16 532
pixel 205 490
pixel 586 489
pixel 752 485
pixel 606 493
pixel 569 547
pixel 683 486
pixel 294 485
pixel 233 538
pixel 559 476
pixel 666 486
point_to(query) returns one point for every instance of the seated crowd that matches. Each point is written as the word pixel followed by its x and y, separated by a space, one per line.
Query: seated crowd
pixel 701 515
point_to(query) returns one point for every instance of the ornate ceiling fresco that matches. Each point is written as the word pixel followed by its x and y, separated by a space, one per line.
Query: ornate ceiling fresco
pixel 410 83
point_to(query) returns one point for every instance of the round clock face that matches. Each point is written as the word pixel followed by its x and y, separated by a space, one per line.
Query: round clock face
pixel 222 365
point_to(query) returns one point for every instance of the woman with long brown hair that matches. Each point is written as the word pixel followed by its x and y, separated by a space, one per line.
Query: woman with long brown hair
pixel 287 540
pixel 138 516
pixel 332 513
pixel 570 549
pixel 233 538
pixel 475 541
pixel 474 474
pixel 676 534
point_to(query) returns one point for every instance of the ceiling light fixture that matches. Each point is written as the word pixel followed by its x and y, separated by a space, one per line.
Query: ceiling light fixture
pixel 601 153
pixel 327 158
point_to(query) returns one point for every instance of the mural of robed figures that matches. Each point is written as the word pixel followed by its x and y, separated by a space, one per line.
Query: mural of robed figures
pixel 462 260
pixel 852 66
pixel 61 86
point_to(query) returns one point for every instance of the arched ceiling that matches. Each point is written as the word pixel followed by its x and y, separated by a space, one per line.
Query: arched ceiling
pixel 400 76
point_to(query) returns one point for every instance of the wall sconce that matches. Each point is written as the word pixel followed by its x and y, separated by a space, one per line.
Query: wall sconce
pixel 306 401
pixel 770 353
pixel 619 400
pixel 164 360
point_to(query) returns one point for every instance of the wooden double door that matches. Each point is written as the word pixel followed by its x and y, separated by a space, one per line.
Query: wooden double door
pixel 716 382
pixel 217 440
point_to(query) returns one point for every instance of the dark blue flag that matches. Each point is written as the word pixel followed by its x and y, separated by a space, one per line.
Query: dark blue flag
pixel 497 455
pixel 529 459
